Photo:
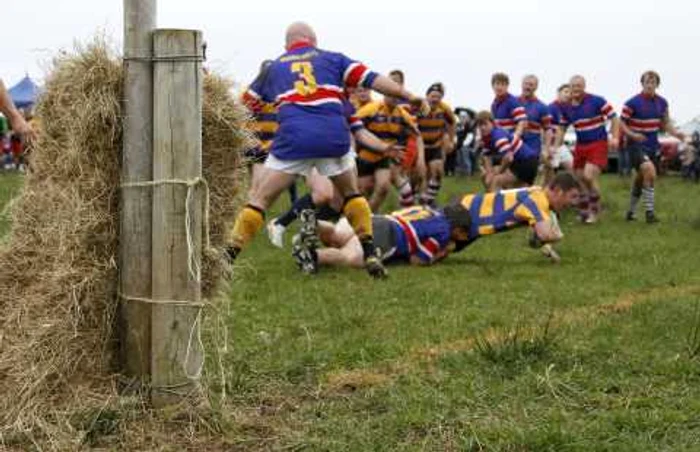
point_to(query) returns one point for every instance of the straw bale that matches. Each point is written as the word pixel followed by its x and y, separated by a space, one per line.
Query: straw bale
pixel 59 267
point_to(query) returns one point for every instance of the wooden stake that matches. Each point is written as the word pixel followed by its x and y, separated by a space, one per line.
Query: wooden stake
pixel 136 204
pixel 177 354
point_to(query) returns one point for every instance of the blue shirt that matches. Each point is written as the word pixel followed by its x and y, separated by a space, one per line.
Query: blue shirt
pixel 420 231
pixel 501 141
pixel 539 120
pixel 588 118
pixel 507 112
pixel 646 114
pixel 308 84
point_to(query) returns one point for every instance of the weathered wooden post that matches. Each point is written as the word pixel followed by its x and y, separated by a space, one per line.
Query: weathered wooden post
pixel 177 355
pixel 136 203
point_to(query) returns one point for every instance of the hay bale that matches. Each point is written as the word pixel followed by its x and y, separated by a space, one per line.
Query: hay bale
pixel 59 279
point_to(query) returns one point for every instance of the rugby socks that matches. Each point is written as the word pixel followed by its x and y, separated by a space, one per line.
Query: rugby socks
pixel 432 191
pixel 406 193
pixel 306 202
pixel 293 195
pixel 359 215
pixel 635 196
pixel 327 213
pixel 648 195
pixel 583 205
pixel 248 222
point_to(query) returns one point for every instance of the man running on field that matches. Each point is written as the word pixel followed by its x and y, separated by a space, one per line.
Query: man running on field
pixel 643 117
pixel 589 114
pixel 308 85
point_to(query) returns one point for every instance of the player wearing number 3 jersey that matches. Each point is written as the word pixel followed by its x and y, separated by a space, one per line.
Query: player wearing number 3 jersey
pixel 308 84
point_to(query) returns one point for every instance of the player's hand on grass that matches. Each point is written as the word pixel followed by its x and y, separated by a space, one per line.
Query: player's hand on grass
pixel 549 252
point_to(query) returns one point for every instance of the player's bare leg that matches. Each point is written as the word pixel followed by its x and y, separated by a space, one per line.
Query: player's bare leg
pixel 356 209
pixel 590 176
pixel 252 217
pixel 382 184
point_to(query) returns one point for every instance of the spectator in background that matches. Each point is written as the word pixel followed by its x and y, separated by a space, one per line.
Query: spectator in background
pixel 466 134
pixel 690 158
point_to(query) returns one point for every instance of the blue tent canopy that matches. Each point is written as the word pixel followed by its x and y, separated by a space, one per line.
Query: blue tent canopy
pixel 25 93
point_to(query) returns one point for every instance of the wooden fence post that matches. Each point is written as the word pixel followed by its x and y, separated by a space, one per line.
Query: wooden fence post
pixel 136 203
pixel 177 355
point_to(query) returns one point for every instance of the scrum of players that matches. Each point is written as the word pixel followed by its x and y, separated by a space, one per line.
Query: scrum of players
pixel 316 119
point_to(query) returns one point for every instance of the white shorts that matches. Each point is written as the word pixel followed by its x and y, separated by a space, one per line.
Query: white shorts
pixel 561 156
pixel 328 167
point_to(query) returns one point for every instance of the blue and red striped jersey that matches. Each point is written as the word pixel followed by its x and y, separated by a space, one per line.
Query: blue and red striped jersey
pixel 539 120
pixel 555 111
pixel 501 141
pixel 507 112
pixel 354 122
pixel 646 114
pixel 588 118
pixel 308 84
pixel 420 231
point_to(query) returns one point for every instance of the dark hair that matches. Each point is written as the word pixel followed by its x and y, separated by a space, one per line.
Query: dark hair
pixel 437 86
pixel 399 74
pixel 457 215
pixel 563 87
pixel 566 181
pixel 483 117
pixel 651 74
pixel 500 77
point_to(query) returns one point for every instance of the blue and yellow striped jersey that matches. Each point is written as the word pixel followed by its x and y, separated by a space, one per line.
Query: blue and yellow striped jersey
pixel 492 213
pixel 390 124
pixel 433 125
pixel 265 126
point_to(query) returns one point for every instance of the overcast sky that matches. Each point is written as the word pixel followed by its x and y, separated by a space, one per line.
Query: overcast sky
pixel 461 44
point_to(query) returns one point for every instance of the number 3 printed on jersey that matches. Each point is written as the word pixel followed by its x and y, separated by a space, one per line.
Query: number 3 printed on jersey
pixel 306 85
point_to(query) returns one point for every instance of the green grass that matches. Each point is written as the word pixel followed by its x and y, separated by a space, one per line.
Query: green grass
pixel 493 349
pixel 10 184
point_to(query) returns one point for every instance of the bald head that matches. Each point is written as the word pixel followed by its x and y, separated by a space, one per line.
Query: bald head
pixel 578 87
pixel 300 31
pixel 578 79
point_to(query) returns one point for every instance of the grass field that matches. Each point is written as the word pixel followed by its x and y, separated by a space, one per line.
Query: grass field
pixel 493 349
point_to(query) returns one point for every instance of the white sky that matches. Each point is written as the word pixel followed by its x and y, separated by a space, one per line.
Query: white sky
pixel 459 43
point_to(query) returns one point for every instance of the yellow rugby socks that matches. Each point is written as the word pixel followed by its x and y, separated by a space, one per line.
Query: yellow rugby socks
pixel 248 222
pixel 359 215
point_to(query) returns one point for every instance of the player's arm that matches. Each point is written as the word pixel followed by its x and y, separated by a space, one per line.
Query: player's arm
pixel 559 136
pixel 7 107
pixel 370 141
pixel 547 134
pixel 520 117
pixel 388 87
pixel 420 156
pixel 615 130
pixel 548 231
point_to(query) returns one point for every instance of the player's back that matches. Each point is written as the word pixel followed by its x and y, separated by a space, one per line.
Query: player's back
pixel 420 230
pixel 308 84
pixel 503 210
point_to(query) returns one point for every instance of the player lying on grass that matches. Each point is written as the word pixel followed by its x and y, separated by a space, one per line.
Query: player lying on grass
pixel 424 236
pixel 536 207
pixel 418 235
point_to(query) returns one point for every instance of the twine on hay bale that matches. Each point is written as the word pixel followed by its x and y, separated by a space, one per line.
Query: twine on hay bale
pixel 58 286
